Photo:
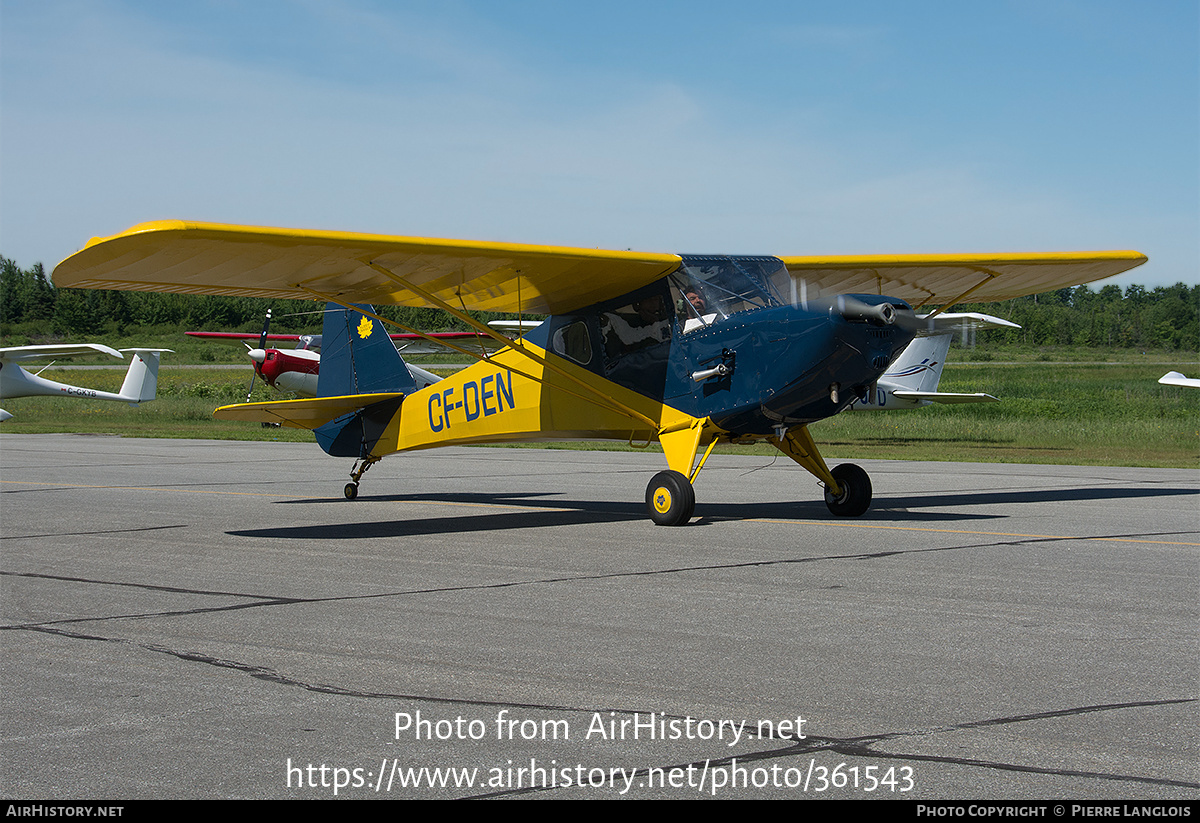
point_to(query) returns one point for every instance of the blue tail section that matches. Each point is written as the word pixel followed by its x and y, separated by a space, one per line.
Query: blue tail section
pixel 358 357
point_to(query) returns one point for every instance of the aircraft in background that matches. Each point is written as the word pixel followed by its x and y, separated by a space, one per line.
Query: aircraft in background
pixel 1174 378
pixel 687 350
pixel 140 385
pixel 912 380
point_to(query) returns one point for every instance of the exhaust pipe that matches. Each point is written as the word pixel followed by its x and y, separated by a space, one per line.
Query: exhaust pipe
pixel 853 310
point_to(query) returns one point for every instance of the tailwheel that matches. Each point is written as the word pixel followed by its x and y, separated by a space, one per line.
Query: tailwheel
pixel 360 468
pixel 670 499
pixel 855 497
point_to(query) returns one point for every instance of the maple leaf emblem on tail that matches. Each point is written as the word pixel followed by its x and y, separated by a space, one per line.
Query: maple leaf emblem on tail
pixel 364 328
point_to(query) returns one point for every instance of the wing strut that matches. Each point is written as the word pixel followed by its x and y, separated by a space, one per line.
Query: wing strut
pixel 990 276
pixel 517 346
pixel 604 401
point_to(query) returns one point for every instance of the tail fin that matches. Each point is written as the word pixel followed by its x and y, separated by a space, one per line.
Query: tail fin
pixel 358 357
pixel 913 379
pixel 141 381
pixel 919 366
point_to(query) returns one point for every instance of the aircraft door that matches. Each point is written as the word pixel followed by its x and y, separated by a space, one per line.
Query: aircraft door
pixel 636 334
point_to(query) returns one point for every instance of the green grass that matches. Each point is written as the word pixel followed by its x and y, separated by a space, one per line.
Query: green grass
pixel 993 353
pixel 1084 414
pixel 1068 414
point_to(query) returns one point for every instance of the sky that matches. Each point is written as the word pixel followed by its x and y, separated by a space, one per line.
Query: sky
pixel 784 128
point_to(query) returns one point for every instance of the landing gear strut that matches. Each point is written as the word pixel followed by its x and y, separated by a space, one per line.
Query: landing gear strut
pixel 670 497
pixel 853 487
pixel 360 468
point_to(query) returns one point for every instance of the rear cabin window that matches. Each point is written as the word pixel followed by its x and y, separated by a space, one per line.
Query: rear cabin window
pixel 573 342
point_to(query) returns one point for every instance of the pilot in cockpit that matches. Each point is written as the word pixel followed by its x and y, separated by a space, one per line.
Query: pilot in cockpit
pixel 697 309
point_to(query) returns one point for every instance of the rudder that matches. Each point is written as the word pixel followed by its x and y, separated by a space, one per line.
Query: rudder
pixel 141 381
pixel 919 366
pixel 358 356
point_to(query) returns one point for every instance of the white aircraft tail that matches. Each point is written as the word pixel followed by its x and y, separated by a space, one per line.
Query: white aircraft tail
pixel 912 380
pixel 141 381
pixel 919 366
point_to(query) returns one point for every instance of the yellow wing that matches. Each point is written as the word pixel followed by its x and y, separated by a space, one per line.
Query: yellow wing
pixel 242 261
pixel 941 279
pixel 209 258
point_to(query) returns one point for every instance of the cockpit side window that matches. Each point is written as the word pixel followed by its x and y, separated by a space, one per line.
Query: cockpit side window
pixel 573 342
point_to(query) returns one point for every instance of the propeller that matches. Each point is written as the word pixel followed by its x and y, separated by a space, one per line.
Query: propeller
pixel 258 355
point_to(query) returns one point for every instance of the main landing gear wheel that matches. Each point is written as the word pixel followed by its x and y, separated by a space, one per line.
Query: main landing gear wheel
pixel 670 499
pixel 351 491
pixel 856 491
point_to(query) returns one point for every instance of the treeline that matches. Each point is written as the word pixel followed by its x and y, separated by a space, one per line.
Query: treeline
pixel 1167 317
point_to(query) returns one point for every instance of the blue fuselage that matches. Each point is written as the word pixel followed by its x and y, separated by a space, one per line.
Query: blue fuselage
pixel 769 363
pixel 787 365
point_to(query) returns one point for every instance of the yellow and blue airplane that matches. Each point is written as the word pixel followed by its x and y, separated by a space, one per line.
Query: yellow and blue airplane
pixel 685 350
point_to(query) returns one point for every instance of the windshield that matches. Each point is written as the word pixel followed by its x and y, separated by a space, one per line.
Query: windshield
pixel 708 289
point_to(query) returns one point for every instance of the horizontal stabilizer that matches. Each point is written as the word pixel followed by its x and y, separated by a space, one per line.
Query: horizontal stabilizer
pixel 954 322
pixel 305 413
pixel 947 396
pixel 1174 378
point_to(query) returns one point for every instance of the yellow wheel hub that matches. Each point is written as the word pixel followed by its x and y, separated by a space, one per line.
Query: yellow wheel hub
pixel 662 500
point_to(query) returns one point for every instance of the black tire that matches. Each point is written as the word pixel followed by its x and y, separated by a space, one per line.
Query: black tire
pixel 855 498
pixel 670 499
pixel 351 491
